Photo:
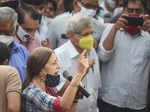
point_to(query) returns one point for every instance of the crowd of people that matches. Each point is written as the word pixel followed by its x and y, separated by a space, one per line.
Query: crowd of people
pixel 74 55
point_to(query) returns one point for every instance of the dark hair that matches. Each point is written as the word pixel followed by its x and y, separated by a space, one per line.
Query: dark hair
pixel 36 62
pixel 34 2
pixel 54 3
pixel 143 2
pixel 26 9
pixel 4 53
pixel 11 4
pixel 148 7
pixel 68 5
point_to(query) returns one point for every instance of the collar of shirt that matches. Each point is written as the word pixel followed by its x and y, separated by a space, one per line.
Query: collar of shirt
pixel 14 47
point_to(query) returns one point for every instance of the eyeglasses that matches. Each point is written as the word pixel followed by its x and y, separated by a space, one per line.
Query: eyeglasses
pixel 86 34
pixel 89 6
pixel 137 11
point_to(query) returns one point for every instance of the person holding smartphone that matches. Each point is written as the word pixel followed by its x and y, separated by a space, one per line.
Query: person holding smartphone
pixel 124 51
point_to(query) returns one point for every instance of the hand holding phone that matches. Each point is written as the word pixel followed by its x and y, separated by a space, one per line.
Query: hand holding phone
pixel 134 20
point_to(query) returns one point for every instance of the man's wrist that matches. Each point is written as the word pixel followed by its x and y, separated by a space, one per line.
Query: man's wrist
pixel 115 28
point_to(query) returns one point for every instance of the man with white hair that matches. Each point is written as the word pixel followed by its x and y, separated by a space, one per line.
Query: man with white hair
pixel 57 34
pixel 80 33
pixel 18 53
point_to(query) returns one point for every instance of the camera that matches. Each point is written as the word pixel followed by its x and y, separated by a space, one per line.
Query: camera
pixel 134 20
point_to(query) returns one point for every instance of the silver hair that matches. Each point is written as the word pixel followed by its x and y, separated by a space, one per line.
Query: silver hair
pixel 77 22
pixel 8 13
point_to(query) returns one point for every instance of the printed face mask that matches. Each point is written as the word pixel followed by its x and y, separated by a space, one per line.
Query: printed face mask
pixel 23 35
pixel 88 12
pixel 86 42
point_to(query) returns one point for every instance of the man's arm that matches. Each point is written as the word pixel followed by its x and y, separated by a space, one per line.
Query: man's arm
pixel 106 45
pixel 109 41
pixel 13 91
pixel 14 101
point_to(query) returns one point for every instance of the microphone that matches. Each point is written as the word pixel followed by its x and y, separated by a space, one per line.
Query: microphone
pixel 80 88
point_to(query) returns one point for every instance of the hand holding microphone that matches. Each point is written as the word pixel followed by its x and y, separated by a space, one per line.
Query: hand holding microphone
pixel 80 88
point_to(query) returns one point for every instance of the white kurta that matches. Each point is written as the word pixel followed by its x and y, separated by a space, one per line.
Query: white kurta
pixel 68 58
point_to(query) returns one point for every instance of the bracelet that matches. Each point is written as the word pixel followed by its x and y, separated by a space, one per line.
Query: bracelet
pixel 73 84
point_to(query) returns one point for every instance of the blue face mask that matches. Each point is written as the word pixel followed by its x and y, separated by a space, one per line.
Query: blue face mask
pixel 52 80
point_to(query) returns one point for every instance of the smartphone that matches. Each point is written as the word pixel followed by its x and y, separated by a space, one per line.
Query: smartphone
pixel 134 21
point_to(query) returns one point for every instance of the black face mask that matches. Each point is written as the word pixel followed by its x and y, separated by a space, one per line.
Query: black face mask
pixel 52 80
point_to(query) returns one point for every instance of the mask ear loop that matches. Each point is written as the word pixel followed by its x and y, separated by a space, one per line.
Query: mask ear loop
pixel 43 77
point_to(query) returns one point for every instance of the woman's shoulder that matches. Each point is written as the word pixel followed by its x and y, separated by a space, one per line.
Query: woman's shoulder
pixel 31 89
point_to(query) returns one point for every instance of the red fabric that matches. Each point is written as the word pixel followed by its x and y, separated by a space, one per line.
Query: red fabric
pixel 132 30
pixel 133 15
pixel 56 105
pixel 51 91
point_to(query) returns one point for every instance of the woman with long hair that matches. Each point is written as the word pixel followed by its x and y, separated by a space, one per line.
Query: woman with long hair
pixel 42 63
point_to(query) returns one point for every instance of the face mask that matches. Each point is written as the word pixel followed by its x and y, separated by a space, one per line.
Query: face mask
pixel 52 80
pixel 112 3
pixel 23 35
pixel 6 39
pixel 132 30
pixel 86 42
pixel 88 12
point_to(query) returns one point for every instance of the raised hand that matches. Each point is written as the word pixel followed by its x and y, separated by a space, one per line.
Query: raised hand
pixel 121 22
pixel 83 63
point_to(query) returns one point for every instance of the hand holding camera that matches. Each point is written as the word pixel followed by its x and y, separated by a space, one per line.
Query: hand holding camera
pixel 134 20
pixel 121 22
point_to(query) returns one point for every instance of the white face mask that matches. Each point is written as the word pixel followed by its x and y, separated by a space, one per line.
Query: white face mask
pixel 23 35
pixel 88 12
pixel 6 39
pixel 112 3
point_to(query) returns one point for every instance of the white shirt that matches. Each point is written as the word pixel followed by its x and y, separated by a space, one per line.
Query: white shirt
pixel 104 10
pixel 68 58
pixel 125 69
pixel 43 28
